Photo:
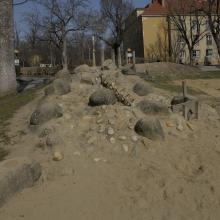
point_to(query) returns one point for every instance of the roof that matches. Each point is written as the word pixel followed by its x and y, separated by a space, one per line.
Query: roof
pixel 155 8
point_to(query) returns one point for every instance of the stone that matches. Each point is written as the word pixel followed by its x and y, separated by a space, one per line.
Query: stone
pixel 150 128
pixel 99 121
pixel 128 70
pixel 134 138
pixel 82 69
pixel 142 89
pixel 125 148
pixel 44 112
pixel 58 87
pixel 108 65
pixel 58 156
pixel 170 124
pixel 101 128
pixel 122 138
pixel 110 131
pixel 53 140
pixel 112 140
pixel 102 97
pixel 64 74
pixel 153 108
pixel 180 126
pixel 17 174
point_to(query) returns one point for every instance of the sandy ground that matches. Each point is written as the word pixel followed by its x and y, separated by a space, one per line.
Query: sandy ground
pixel 177 179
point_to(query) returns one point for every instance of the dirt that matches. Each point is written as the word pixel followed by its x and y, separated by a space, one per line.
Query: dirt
pixel 130 178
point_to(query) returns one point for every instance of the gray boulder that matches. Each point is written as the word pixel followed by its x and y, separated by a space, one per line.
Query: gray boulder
pixel 58 87
pixel 17 174
pixel 82 69
pixel 142 89
pixel 90 78
pixel 128 70
pixel 102 97
pixel 153 108
pixel 109 65
pixel 44 112
pixel 150 128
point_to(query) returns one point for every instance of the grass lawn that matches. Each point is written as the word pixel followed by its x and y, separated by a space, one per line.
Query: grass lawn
pixel 166 83
pixel 8 106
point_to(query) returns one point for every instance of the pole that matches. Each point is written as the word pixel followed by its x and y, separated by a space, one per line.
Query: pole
pixel 134 58
pixel 93 54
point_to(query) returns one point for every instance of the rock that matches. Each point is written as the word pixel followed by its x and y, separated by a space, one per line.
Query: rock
pixel 122 138
pixel 102 97
pixel 125 148
pixel 150 128
pixel 178 100
pixel 112 140
pixel 128 70
pixel 90 78
pixel 58 87
pixel 82 69
pixel 142 89
pixel 64 74
pixel 134 138
pixel 180 126
pixel 101 128
pixel 53 140
pixel 58 156
pixel 44 112
pixel 109 65
pixel 110 131
pixel 153 108
pixel 17 174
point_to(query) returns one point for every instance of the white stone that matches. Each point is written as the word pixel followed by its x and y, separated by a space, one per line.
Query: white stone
pixel 123 138
pixel 112 140
pixel 110 131
pixel 125 148
pixel 134 138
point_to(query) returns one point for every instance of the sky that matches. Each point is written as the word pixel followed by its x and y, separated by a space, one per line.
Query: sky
pixel 21 9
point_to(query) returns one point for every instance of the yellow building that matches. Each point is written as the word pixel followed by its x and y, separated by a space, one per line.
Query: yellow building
pixel 154 37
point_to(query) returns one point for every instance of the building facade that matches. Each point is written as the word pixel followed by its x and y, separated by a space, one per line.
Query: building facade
pixel 154 37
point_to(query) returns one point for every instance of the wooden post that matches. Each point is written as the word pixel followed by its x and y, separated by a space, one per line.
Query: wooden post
pixel 119 57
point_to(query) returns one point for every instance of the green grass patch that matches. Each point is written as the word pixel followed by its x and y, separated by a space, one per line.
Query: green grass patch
pixel 8 106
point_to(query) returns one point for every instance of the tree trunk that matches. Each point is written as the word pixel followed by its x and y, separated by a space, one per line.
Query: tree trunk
pixel 7 68
pixel 64 53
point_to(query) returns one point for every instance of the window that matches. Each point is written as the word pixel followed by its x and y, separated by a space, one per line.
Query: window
pixel 196 53
pixel 209 52
pixel 209 39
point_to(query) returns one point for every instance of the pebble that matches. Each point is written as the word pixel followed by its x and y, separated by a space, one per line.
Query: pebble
pixel 58 156
pixel 99 121
pixel 110 131
pixel 134 138
pixel 130 126
pixel 112 140
pixel 91 140
pixel 123 138
pixel 101 129
pixel 111 121
pixel 99 159
pixel 76 153
pixel 170 124
pixel 125 147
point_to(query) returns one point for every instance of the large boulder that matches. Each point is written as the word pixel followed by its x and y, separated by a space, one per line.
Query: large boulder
pixel 82 69
pixel 17 174
pixel 150 128
pixel 44 112
pixel 128 70
pixel 90 78
pixel 153 108
pixel 58 87
pixel 108 65
pixel 102 97
pixel 64 74
pixel 142 89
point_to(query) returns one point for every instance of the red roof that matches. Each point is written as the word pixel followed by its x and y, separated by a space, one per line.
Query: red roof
pixel 155 8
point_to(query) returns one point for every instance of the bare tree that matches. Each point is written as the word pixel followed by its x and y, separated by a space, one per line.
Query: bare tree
pixel 63 17
pixel 188 20
pixel 113 14
pixel 7 68
pixel 212 10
